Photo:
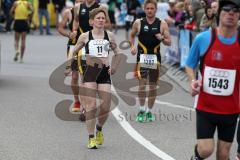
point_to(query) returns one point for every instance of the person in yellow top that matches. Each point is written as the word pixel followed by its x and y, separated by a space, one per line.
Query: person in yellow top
pixel 20 11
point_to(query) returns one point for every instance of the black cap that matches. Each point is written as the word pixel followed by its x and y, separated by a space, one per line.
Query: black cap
pixel 224 2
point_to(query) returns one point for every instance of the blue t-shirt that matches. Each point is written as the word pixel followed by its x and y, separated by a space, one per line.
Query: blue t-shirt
pixel 200 46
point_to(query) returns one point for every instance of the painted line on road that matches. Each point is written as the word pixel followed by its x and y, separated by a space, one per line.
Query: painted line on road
pixel 138 137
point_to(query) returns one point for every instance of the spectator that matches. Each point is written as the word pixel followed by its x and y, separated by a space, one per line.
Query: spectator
pixel 180 16
pixel 190 23
pixel 132 6
pixel 171 12
pixel 199 9
pixel 162 9
pixel 111 13
pixel 58 5
pixel 208 20
pixel 214 6
pixel 7 5
pixel 42 11
pixel 186 4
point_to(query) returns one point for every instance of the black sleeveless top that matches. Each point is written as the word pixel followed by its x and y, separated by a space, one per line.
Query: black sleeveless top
pixel 70 26
pixel 84 16
pixel 90 37
pixel 147 41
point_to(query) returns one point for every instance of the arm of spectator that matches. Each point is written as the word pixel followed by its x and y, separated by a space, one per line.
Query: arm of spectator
pixel 135 30
pixel 166 38
pixel 63 23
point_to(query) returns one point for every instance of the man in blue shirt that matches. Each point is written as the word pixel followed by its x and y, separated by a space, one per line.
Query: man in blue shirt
pixel 218 52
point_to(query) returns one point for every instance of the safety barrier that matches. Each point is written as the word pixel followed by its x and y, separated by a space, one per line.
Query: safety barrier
pixel 181 43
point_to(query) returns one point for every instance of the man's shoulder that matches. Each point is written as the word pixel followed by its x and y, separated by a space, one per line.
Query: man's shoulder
pixel 203 36
pixel 77 6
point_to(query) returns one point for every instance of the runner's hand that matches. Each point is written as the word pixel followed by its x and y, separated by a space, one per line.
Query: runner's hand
pixel 195 87
pixel 73 34
pixel 111 71
pixel 68 72
pixel 159 36
pixel 133 50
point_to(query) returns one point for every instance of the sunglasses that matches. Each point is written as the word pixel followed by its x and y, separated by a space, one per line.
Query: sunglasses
pixel 229 8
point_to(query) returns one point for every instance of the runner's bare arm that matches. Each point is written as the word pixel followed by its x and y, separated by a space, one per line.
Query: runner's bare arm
pixel 63 23
pixel 134 32
pixel 76 17
pixel 80 43
pixel 116 58
pixel 194 84
pixel 165 32
pixel 30 7
pixel 190 72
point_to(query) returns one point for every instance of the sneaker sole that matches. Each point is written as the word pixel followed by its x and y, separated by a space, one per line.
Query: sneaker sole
pixel 75 110
pixel 100 143
pixel 95 147
pixel 150 120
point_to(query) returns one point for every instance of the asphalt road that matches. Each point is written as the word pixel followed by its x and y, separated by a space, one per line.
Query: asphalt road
pixel 35 123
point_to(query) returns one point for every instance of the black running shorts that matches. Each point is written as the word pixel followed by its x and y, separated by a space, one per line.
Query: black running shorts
pixel 207 123
pixel 21 26
pixel 96 74
pixel 238 137
pixel 151 74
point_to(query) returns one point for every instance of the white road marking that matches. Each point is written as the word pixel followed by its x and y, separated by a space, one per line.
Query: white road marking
pixel 138 137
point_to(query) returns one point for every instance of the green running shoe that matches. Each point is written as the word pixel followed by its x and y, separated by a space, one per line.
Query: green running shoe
pixel 150 117
pixel 141 116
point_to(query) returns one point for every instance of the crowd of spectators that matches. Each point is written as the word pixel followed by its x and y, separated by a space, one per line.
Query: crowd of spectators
pixel 195 15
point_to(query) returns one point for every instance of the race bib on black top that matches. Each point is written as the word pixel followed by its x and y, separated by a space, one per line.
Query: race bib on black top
pixel 148 61
pixel 99 48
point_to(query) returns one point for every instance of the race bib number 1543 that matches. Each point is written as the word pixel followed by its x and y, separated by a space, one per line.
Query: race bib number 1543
pixel 219 81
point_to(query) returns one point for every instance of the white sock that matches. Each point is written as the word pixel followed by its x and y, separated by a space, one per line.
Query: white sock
pixel 148 110
pixel 142 108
